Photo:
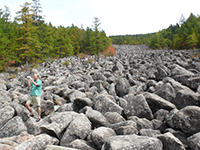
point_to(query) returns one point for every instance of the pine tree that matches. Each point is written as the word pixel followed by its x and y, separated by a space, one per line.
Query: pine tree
pixel 28 43
pixel 96 28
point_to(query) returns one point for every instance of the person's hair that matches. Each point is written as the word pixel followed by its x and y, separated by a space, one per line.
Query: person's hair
pixel 37 74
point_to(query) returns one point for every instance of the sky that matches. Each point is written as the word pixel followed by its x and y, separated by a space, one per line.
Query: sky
pixel 117 17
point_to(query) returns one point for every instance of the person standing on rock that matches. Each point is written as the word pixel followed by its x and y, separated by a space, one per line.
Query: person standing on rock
pixel 35 95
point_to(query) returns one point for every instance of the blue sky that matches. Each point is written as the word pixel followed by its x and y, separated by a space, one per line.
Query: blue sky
pixel 118 17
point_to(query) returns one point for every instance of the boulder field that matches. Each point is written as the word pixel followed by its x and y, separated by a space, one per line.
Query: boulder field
pixel 139 99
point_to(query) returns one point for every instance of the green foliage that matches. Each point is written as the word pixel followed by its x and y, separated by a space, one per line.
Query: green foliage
pixel 28 39
pixel 185 35
pixel 91 60
pixel 67 63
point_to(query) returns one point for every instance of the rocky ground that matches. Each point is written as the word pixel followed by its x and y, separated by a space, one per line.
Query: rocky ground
pixel 139 99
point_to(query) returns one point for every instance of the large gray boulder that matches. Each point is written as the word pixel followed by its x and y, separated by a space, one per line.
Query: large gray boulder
pixel 59 121
pixel 186 119
pixel 13 127
pixel 156 102
pixel 37 143
pixel 81 145
pixel 104 104
pixel 97 118
pixel 149 132
pixel 121 87
pixel 186 98
pixel 194 141
pixel 114 117
pixel 167 92
pixel 55 147
pixel 79 128
pixel 47 107
pixel 170 142
pixel 130 142
pixel 98 136
pixel 138 107
pixel 33 127
pixel 6 113
pixel 4 97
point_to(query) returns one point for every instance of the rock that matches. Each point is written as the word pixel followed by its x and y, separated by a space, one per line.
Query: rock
pixel 179 134
pixel 47 107
pixel 161 114
pixel 125 127
pixel 33 127
pixel 187 119
pixel 55 147
pixel 81 145
pixel 191 81
pixel 142 123
pixel 138 107
pixel 162 72
pixel 178 70
pixel 23 98
pixel 82 102
pixel 98 136
pixel 4 97
pixel 22 111
pixel 156 102
pixel 113 117
pixel 13 127
pixel 132 142
pixel 15 140
pixel 59 81
pixel 6 113
pixel 118 66
pixel 167 92
pixel 76 94
pixel 79 128
pixel 121 87
pixel 185 98
pixel 126 130
pixel 67 107
pixel 95 117
pixel 6 147
pixel 149 132
pixel 2 84
pixel 98 76
pixel 170 142
pixel 158 125
pixel 194 141
pixel 38 142
pixel 59 121
pixel 104 104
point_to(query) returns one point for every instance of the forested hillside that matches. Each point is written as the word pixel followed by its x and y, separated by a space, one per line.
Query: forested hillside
pixel 29 39
pixel 185 35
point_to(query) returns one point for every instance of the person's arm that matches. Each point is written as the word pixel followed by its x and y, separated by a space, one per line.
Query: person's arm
pixel 34 83
pixel 29 81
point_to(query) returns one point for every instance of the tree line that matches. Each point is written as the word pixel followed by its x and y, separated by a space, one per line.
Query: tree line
pixel 28 39
pixel 185 35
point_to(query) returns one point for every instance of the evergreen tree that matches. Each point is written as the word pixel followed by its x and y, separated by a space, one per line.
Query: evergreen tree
pixel 28 45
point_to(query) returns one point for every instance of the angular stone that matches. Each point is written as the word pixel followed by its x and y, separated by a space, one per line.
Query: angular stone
pixel 6 113
pixel 113 117
pixel 156 102
pixel 138 107
pixel 132 142
pixel 38 142
pixel 79 128
pixel 104 104
pixel 170 142
pixel 13 127
pixel 194 141
pixel 98 136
